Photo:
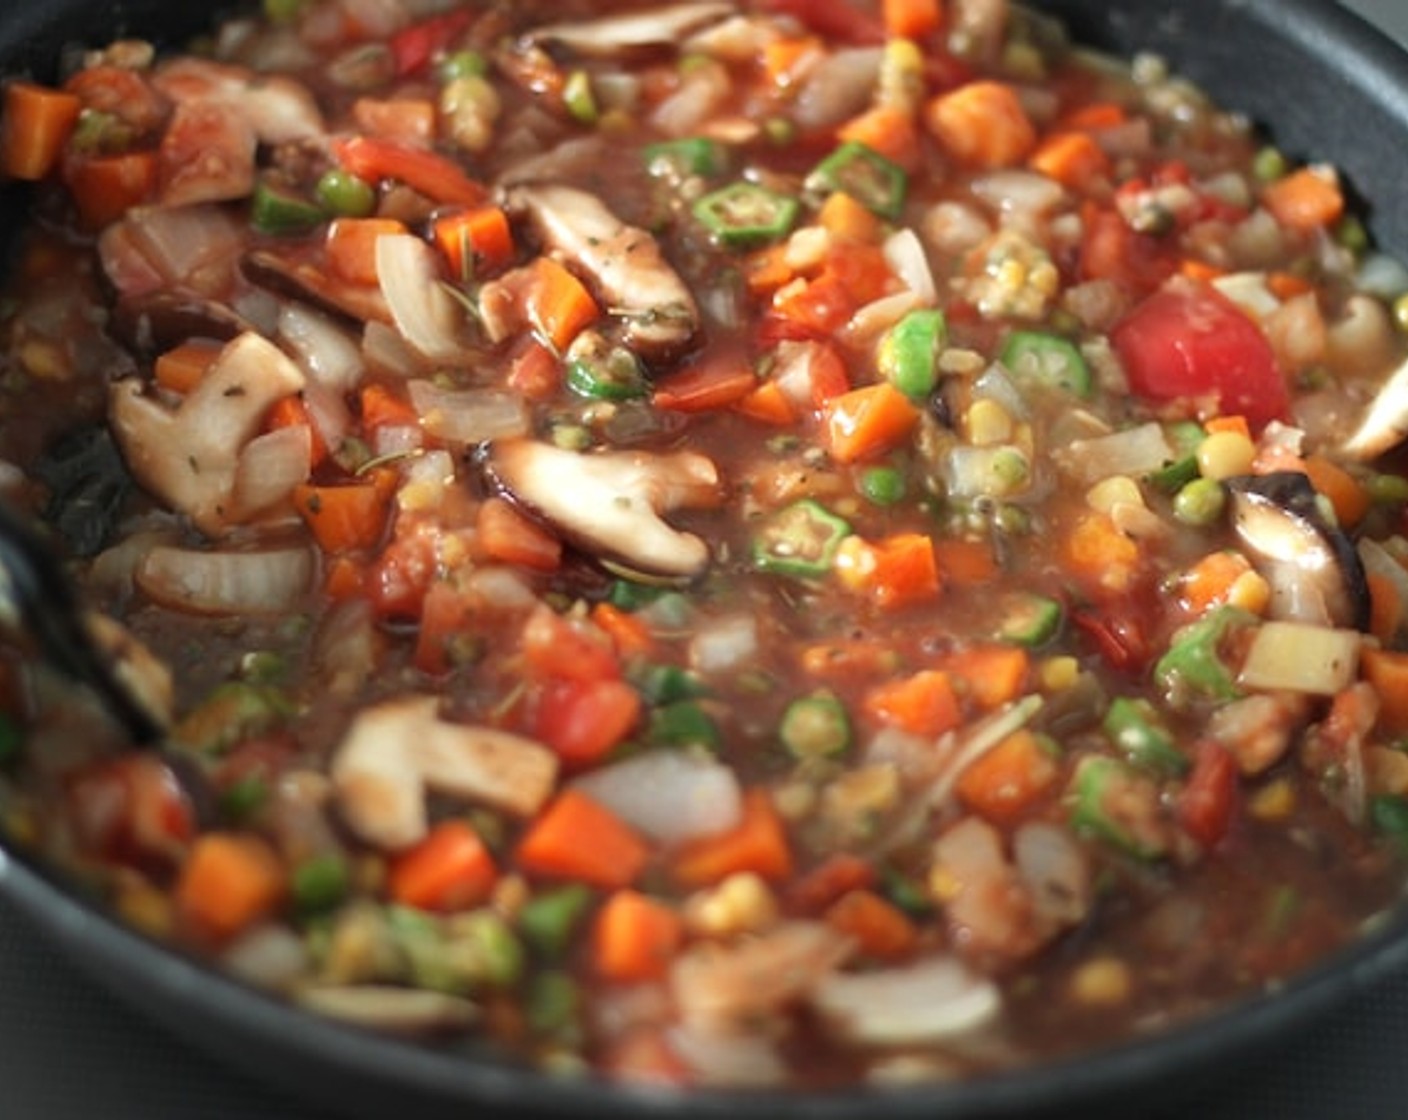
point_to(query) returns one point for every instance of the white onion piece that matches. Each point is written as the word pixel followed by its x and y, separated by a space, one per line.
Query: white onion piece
pixel 332 418
pixel 1383 276
pixel 1056 869
pixel 265 582
pixel 1134 451
pixel 700 96
pixel 1378 561
pixel 269 467
pixel 385 351
pixel 269 956
pixel 501 588
pixel 466 416
pixel 930 1001
pixel 424 312
pixel 181 241
pixel 732 1059
pixel 724 644
pixel 838 87
pixel 879 315
pixel 1023 193
pixel 328 354
pixel 397 439
pixel 668 795
pixel 905 255
pixel 1299 657
pixel 405 1011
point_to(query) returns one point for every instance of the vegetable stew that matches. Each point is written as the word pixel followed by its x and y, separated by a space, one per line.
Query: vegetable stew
pixel 726 543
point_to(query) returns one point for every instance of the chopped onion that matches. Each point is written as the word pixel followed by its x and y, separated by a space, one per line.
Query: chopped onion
pixel 904 253
pixel 1248 291
pixel 1379 562
pixel 700 96
pixel 1383 276
pixel 266 582
pixel 1134 451
pixel 734 1059
pixel 878 316
pixel 328 354
pixel 1299 657
pixel 1023 193
pixel 927 1002
pixel 838 87
pixel 468 416
pixel 406 1011
pixel 184 240
pixel 669 795
pixel 724 644
pixel 269 956
pixel 425 313
pixel 385 351
pixel 269 467
pixel 1056 868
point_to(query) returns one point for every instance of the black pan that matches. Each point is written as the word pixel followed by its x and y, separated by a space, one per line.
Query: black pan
pixel 1329 87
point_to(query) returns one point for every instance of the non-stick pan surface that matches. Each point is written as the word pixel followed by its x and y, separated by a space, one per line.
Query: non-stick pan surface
pixel 1327 86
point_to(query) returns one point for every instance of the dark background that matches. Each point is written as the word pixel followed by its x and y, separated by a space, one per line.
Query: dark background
pixel 69 1051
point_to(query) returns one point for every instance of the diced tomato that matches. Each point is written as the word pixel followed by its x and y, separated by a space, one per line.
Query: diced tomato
pixel 836 20
pixel 583 720
pixel 132 811
pixel 445 615
pixel 1208 803
pixel 1118 635
pixel 1111 250
pixel 399 578
pixel 414 48
pixel 568 649
pixel 1188 341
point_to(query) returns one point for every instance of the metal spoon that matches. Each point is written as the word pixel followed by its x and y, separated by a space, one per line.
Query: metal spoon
pixel 37 599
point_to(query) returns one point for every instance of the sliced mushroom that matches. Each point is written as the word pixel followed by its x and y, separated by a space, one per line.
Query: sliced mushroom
pixel 632 276
pixel 1316 575
pixel 279 110
pixel 612 36
pixel 396 751
pixel 610 504
pixel 1385 423
pixel 404 1011
pixel 299 277
pixel 153 322
pixel 188 456
pixel 926 1002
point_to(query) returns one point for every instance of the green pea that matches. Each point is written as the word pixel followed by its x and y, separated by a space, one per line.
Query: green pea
pixel 345 195
pixel 462 64
pixel 1269 165
pixel 883 486
pixel 1200 503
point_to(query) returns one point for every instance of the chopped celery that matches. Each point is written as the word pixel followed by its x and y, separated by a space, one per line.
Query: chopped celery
pixel 815 726
pixel 908 355
pixel 1040 358
pixel 548 920
pixel 799 540
pixel 684 723
pixel 679 159
pixel 1114 803
pixel 745 215
pixel 1135 728
pixel 1192 668
pixel 1030 619
pixel 863 173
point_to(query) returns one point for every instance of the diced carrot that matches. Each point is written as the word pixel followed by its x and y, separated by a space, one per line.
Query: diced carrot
pixel 991 675
pixel 1387 671
pixel 706 386
pixel 1287 285
pixel 758 843
pixel 1386 607
pixel 345 579
pixel 1005 783
pixel 1195 269
pixel 837 875
pixel 469 238
pixel 567 648
pixel 912 19
pixel 437 177
pixel 1307 199
pixel 768 404
pixel 924 703
pixel 849 660
pixel 628 633
pixel 347 516
pixel 104 188
pixel 508 536
pixel 867 422
pixel 381 407
pixel 767 270
pixel 880 929
pixel 1095 117
pixel 1209 582
pixel 1100 556
pixel 408 119
pixel 635 938
pixel 584 721
pixel 894 572
pixel 886 129
pixel 558 304
pixel 291 412
pixel 577 838
pixel 36 125
pixel 180 369
pixel 351 246
pixel 229 882
pixel 784 59
pixel 450 869
pixel 1346 493
pixel 966 563
pixel 982 124
pixel 1237 425
pixel 849 220
pixel 1073 159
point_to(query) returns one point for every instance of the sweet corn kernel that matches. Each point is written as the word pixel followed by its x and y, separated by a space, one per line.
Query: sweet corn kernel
pixel 988 423
pixel 1225 454
pixel 1114 491
pixel 1102 982
pixel 742 903
pixel 1251 592
pixel 1058 673
pixel 944 885
pixel 1275 801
